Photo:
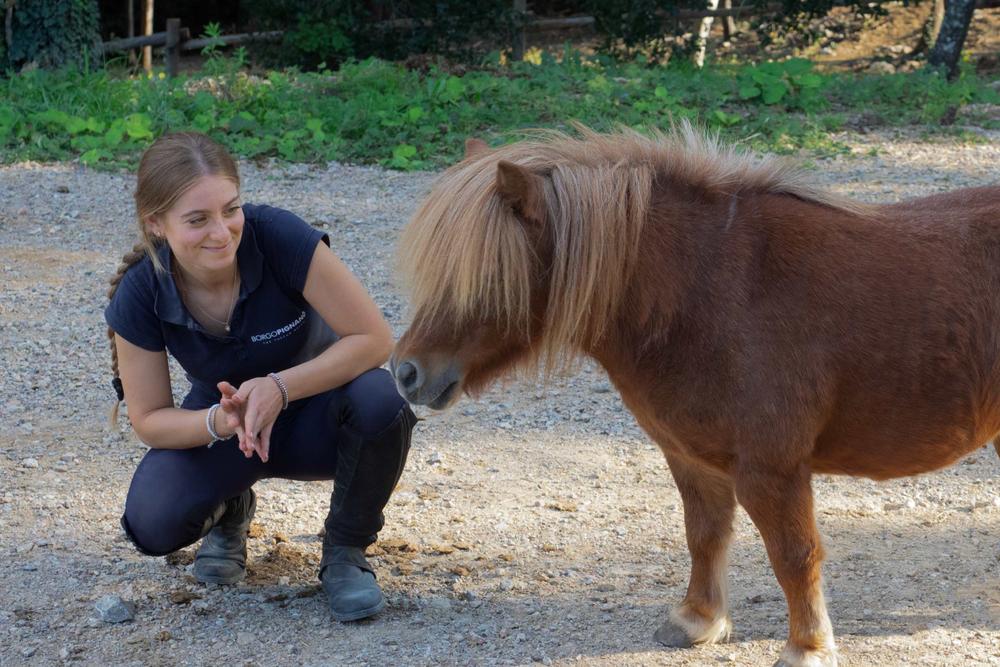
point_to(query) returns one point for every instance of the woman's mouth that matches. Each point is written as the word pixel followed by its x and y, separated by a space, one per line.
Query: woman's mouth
pixel 221 248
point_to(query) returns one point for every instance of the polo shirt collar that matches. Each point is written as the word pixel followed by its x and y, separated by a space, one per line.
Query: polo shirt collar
pixel 168 304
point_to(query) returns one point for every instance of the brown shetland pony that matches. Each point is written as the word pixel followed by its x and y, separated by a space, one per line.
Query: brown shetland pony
pixel 759 330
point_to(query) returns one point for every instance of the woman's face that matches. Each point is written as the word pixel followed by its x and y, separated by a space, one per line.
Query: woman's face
pixel 204 226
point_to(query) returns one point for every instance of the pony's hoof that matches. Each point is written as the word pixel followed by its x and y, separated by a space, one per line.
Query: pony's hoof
pixel 672 635
pixel 797 658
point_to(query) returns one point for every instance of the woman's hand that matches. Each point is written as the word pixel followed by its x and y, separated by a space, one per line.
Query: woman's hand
pixel 258 402
pixel 232 409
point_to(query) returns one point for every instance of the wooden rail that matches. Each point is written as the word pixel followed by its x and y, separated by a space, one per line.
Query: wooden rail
pixel 176 38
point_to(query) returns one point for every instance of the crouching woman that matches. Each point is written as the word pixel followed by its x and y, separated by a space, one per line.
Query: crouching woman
pixel 281 344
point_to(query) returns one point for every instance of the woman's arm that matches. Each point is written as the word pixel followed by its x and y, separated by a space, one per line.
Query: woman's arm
pixel 344 304
pixel 365 343
pixel 146 379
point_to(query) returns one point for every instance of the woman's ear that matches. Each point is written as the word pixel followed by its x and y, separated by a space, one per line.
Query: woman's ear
pixel 154 228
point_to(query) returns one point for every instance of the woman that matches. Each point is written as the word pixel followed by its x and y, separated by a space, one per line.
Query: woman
pixel 282 346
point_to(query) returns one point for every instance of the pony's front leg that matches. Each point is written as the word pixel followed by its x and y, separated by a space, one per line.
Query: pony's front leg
pixel 709 503
pixel 780 504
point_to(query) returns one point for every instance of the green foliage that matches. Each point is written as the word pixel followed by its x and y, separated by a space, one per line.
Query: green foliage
pixel 650 26
pixel 791 80
pixel 378 112
pixel 53 33
pixel 331 32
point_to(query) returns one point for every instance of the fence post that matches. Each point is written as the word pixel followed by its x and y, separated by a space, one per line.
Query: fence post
pixel 520 44
pixel 173 47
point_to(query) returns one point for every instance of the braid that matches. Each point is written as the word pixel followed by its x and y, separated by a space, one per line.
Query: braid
pixel 128 261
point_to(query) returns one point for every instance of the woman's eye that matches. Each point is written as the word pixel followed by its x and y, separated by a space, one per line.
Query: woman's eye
pixel 232 211
pixel 196 221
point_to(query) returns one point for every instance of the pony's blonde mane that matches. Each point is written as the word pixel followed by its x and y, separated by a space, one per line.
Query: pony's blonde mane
pixel 465 255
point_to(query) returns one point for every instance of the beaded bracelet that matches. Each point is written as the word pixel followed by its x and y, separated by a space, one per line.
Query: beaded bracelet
pixel 210 424
pixel 282 388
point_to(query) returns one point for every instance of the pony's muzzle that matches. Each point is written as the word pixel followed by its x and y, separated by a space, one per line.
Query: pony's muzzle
pixel 422 386
pixel 408 378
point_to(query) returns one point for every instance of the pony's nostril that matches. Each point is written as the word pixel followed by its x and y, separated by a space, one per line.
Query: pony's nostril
pixel 406 375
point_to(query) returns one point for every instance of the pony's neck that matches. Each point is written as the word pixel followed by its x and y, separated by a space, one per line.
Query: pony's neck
pixel 681 258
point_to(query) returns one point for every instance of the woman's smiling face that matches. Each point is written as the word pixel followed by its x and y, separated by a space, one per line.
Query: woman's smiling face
pixel 203 227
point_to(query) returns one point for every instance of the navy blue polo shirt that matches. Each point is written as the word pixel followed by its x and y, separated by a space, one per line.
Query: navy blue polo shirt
pixel 272 326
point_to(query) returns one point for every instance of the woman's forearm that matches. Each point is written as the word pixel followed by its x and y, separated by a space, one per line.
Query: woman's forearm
pixel 343 361
pixel 177 428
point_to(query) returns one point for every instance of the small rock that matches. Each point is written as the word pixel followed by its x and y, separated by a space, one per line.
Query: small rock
pixel 28 651
pixel 506 585
pixel 439 603
pixel 881 67
pixel 244 638
pixel 29 463
pixel 284 581
pixel 112 609
pixel 183 597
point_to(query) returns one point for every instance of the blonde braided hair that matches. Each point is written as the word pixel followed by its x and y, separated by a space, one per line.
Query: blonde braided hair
pixel 168 169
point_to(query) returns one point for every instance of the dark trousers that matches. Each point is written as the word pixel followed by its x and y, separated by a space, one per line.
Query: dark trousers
pixel 357 435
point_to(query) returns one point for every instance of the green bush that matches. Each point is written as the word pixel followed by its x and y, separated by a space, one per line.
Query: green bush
pixel 53 33
pixel 378 112
pixel 333 31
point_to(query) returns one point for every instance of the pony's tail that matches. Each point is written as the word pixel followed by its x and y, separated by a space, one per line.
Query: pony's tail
pixel 131 258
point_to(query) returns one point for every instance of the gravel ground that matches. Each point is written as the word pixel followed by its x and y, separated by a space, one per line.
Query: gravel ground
pixel 533 525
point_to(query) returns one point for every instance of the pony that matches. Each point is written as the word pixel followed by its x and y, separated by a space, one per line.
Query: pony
pixel 759 329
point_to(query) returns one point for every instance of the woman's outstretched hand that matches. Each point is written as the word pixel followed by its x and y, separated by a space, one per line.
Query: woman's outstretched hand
pixel 253 409
pixel 233 408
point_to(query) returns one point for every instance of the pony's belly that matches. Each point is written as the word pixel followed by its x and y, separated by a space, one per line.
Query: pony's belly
pixel 881 459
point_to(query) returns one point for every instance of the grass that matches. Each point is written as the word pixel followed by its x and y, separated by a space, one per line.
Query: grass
pixel 379 112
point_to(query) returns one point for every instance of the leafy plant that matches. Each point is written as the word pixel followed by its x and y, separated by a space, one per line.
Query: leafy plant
pixel 377 112
pixel 792 82
pixel 53 33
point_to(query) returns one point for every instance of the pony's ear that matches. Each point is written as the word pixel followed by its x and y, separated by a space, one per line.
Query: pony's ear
pixel 474 147
pixel 523 190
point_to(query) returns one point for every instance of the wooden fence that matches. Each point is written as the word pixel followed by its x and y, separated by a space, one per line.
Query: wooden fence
pixel 176 38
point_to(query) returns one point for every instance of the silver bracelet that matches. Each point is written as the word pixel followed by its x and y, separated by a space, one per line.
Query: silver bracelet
pixel 282 388
pixel 210 424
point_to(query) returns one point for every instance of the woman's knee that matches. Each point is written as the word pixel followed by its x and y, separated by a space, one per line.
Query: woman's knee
pixel 372 402
pixel 158 526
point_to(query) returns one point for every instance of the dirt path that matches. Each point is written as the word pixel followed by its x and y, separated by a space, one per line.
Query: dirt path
pixel 533 525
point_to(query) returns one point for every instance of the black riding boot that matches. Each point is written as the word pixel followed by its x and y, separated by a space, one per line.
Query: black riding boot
pixel 222 556
pixel 367 472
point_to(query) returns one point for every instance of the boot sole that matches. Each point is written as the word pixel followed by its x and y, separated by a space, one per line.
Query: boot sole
pixel 223 581
pixel 358 615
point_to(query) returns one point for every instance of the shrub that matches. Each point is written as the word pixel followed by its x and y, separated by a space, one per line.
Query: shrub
pixel 53 33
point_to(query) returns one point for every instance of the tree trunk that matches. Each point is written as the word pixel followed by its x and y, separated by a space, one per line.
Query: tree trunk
pixel 937 17
pixel 130 30
pixel 147 29
pixel 948 45
pixel 729 23
pixel 8 30
pixel 703 31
